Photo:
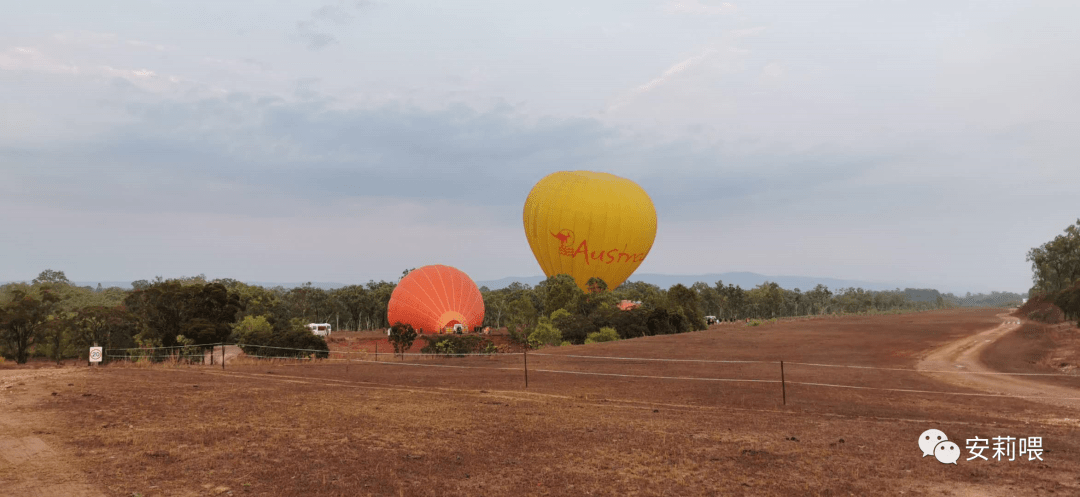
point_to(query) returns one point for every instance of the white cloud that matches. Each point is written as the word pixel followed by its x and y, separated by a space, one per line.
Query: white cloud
pixel 663 78
pixel 30 60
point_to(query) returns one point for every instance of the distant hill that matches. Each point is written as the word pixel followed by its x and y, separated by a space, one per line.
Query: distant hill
pixel 126 285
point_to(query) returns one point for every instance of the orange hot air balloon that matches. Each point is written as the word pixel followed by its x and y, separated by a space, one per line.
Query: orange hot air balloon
pixel 589 224
pixel 435 297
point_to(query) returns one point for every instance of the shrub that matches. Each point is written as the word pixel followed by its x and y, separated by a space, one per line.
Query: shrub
pixel 545 333
pixel 251 326
pixel 516 335
pixel 259 338
pixel 458 345
pixel 573 327
pixel 606 334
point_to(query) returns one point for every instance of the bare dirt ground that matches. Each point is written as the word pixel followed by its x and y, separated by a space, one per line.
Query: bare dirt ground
pixel 965 355
pixel 33 461
pixel 469 426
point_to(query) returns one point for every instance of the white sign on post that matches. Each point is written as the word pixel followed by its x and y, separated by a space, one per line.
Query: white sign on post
pixel 95 354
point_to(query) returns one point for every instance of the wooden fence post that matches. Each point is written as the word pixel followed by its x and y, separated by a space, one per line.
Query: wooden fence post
pixel 783 385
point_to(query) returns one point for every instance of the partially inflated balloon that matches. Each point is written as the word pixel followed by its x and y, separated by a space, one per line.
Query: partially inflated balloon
pixel 588 224
pixel 435 297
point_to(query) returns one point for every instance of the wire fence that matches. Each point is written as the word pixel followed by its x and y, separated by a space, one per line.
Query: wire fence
pixel 206 354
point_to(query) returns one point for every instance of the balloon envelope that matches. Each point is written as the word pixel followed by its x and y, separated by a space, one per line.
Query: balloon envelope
pixel 434 297
pixel 589 224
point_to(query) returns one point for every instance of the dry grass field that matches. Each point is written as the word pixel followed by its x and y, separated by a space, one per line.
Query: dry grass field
pixel 583 426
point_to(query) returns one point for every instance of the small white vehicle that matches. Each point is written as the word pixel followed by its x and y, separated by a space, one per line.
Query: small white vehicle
pixel 320 329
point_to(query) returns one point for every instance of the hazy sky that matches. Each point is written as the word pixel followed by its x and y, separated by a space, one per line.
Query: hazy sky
pixel 930 142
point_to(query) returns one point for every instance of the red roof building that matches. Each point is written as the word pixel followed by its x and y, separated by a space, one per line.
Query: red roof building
pixel 626 305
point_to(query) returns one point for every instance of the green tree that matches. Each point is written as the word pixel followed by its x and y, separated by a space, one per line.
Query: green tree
pixel 109 327
pixel 380 299
pixel 353 299
pixel 166 309
pixel 638 291
pixel 22 320
pixel 709 299
pixel 687 302
pixel 596 298
pixel 49 276
pixel 1056 264
pixel 819 299
pixel 495 305
pixel 559 292
pixel 402 336
pixel 521 313
pixel 254 330
pixel 545 333
pixel 1069 301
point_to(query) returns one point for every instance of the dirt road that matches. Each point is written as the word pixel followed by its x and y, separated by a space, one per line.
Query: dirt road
pixel 963 356
pixel 31 462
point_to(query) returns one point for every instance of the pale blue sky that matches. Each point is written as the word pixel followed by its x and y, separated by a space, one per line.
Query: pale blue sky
pixel 925 142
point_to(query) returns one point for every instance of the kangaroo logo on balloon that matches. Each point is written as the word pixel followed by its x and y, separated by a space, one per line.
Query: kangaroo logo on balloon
pixel 566 242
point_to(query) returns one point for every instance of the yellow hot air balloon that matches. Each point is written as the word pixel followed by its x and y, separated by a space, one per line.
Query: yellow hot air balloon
pixel 588 224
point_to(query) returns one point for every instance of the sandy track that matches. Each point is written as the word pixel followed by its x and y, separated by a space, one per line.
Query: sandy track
pixel 963 355
pixel 29 465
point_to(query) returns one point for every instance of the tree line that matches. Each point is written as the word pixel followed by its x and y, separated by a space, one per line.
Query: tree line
pixel 50 317
pixel 557 311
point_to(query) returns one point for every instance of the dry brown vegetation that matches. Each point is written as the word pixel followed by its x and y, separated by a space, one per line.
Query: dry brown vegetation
pixel 416 427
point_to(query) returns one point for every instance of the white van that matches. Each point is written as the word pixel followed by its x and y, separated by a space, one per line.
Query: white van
pixel 321 329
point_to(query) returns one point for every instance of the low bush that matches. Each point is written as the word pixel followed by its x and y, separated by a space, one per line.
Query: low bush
pixel 457 345
pixel 258 337
pixel 606 334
